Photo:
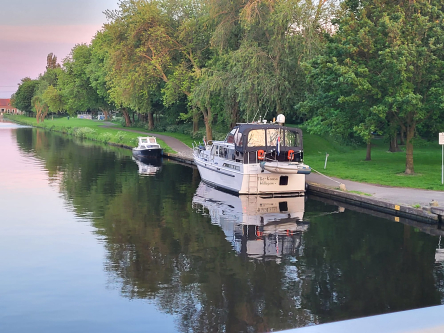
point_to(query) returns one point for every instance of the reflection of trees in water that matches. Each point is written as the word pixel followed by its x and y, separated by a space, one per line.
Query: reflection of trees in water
pixel 368 267
pixel 159 248
pixel 182 260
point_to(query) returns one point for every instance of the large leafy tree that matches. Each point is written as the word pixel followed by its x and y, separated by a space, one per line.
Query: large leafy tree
pixel 97 71
pixel 24 94
pixel 155 45
pixel 74 82
pixel 384 63
pixel 257 71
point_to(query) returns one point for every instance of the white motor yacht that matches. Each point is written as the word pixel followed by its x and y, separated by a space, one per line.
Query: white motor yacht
pixel 255 158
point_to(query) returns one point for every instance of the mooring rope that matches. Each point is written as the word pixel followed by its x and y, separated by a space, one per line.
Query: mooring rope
pixel 326 176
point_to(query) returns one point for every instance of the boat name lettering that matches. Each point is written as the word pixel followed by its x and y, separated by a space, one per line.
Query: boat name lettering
pixel 268 180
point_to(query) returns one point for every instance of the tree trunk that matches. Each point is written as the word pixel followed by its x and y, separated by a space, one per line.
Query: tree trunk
pixel 208 124
pixel 106 113
pixel 150 120
pixel 195 121
pixel 394 143
pixel 409 170
pixel 127 117
pixel 402 136
pixel 368 156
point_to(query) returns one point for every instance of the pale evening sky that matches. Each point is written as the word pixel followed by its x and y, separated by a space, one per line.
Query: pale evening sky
pixel 31 29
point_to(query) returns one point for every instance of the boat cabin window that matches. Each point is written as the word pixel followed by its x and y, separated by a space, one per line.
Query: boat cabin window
pixel 152 140
pixel 272 136
pixel 256 138
pixel 230 136
pixel 238 139
pixel 143 141
pixel 291 139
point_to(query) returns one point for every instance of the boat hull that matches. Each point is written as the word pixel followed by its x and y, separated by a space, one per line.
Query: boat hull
pixel 251 181
pixel 147 153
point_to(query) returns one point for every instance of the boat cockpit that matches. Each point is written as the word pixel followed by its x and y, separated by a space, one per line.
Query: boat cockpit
pixel 254 143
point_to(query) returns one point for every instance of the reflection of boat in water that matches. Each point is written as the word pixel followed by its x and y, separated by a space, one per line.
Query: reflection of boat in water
pixel 147 147
pixel 148 166
pixel 260 227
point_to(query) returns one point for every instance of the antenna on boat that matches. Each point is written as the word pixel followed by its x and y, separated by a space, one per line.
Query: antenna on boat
pixel 255 115
pixel 266 113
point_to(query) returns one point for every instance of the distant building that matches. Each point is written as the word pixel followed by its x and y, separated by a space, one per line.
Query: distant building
pixel 6 107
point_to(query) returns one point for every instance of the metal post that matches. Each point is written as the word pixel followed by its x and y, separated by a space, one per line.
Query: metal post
pixel 326 157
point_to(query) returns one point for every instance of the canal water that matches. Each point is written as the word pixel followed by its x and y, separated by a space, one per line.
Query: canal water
pixel 93 241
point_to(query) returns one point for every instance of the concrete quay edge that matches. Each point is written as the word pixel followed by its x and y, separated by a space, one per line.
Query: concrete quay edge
pixel 371 203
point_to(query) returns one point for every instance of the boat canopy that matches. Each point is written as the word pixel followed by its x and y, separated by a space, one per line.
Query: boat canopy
pixel 147 139
pixel 267 137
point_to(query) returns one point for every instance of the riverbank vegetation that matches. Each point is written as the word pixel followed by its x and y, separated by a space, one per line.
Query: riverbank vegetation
pixel 88 129
pixel 348 69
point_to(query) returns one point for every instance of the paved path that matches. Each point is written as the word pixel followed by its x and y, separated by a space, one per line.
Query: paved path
pixel 175 144
pixel 396 195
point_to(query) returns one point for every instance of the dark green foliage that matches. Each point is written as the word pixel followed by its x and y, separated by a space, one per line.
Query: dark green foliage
pixel 24 94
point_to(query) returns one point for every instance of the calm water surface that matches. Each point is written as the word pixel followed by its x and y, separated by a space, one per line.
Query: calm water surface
pixel 92 241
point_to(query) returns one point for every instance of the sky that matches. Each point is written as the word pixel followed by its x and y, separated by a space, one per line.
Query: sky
pixel 31 29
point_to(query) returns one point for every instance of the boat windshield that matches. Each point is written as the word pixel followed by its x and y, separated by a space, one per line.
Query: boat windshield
pixel 271 137
pixel 256 138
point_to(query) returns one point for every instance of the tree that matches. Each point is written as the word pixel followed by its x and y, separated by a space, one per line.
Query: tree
pixel 156 45
pixel 97 71
pixel 24 94
pixel 384 64
pixel 51 62
pixel 53 99
pixel 74 82
pixel 40 107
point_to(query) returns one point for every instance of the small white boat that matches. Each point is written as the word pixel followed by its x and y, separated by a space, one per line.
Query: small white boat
pixel 147 148
pixel 283 168
pixel 257 158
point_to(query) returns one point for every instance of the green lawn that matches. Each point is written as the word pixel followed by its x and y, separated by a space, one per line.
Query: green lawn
pixel 185 138
pixel 385 168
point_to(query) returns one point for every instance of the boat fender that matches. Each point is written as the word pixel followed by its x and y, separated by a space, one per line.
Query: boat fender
pixel 290 155
pixel 260 155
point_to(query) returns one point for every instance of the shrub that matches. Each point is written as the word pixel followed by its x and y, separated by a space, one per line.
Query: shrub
pixel 119 137
pixel 105 137
pixel 83 132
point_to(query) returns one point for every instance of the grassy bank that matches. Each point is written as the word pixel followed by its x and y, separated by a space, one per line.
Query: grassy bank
pixel 385 168
pixel 88 129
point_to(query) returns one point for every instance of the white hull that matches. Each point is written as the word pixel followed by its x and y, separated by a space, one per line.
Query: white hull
pixel 249 179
